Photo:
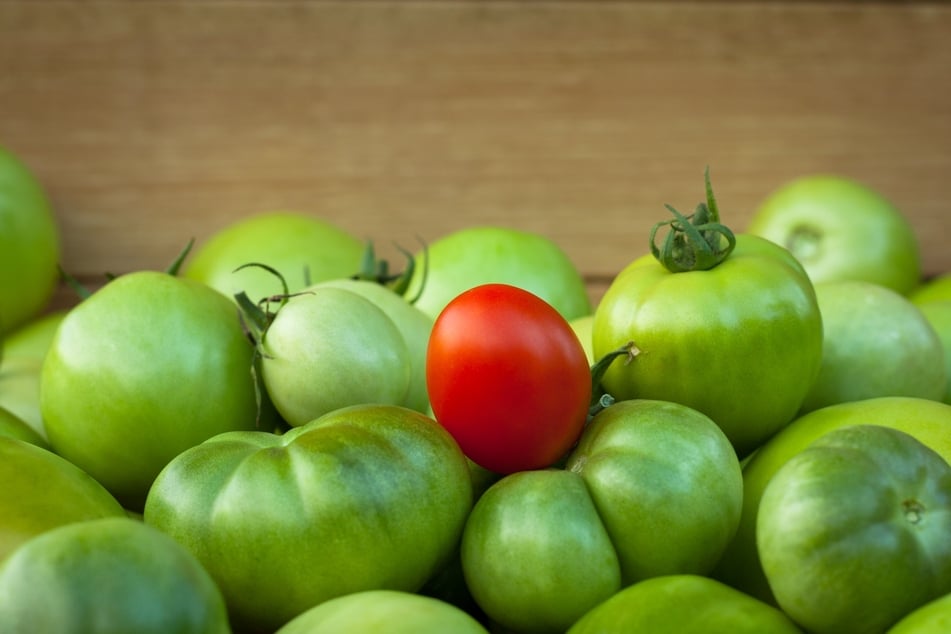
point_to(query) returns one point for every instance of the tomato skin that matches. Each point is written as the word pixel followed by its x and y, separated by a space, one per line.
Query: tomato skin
pixel 928 421
pixel 42 491
pixel 304 248
pixel 330 348
pixel 508 378
pixel 853 531
pixel 741 342
pixel 683 604
pixel 107 575
pixel 29 244
pixel 487 254
pixel 391 611
pixel 841 229
pixel 365 497
pixel 146 367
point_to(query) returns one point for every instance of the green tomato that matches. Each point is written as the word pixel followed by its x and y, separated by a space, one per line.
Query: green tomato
pixel 740 342
pixel 105 576
pixel 875 343
pixel 938 314
pixel 330 348
pixel 683 604
pixel 853 532
pixel 535 554
pixel 146 367
pixel 367 497
pixel 933 617
pixel 29 244
pixel 937 288
pixel 389 611
pixel 652 488
pixel 478 255
pixel 42 491
pixel 840 229
pixel 414 325
pixel 24 350
pixel 303 248
pixel 928 421
pixel 13 426
pixel 584 327
pixel 667 485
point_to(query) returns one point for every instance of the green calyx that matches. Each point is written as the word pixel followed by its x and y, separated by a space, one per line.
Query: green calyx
pixel 378 271
pixel 697 242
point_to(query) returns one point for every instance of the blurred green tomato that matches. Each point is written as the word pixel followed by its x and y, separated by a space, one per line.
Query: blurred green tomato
pixel 840 229
pixel 29 244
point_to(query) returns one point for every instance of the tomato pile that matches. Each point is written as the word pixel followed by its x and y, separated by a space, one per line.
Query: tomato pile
pixel 749 432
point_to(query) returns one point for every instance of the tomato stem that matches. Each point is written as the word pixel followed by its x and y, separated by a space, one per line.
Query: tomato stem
pixel 599 398
pixel 377 270
pixel 694 242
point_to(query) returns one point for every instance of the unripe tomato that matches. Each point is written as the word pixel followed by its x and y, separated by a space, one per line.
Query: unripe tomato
pixel 104 576
pixel 146 367
pixel 29 244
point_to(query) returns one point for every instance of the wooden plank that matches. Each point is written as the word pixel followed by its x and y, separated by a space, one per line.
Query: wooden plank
pixel 154 122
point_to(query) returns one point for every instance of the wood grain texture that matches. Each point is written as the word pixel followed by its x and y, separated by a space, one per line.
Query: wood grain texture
pixel 153 122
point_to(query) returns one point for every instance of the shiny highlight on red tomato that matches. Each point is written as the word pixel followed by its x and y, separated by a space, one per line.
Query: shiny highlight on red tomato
pixel 508 378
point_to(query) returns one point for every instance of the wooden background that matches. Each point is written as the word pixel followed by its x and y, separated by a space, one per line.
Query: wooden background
pixel 153 122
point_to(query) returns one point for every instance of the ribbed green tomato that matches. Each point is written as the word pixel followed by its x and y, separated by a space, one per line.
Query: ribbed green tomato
pixel 365 497
pixel 928 421
pixel 740 342
pixel 105 576
pixel 652 488
pixel 853 532
pixel 29 244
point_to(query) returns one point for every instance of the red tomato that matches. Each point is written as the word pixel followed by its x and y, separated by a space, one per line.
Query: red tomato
pixel 508 378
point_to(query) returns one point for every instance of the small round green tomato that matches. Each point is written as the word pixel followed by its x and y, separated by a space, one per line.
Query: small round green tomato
pixel 389 611
pixel 143 369
pixel 853 532
pixel 330 348
pixel 928 421
pixel 366 497
pixel 740 342
pixel 875 343
pixel 840 229
pixel 105 576
pixel 535 554
pixel 304 248
pixel 683 604
pixel 413 324
pixel 478 255
pixel 41 491
pixel 933 617
pixel 29 244
pixel 667 485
